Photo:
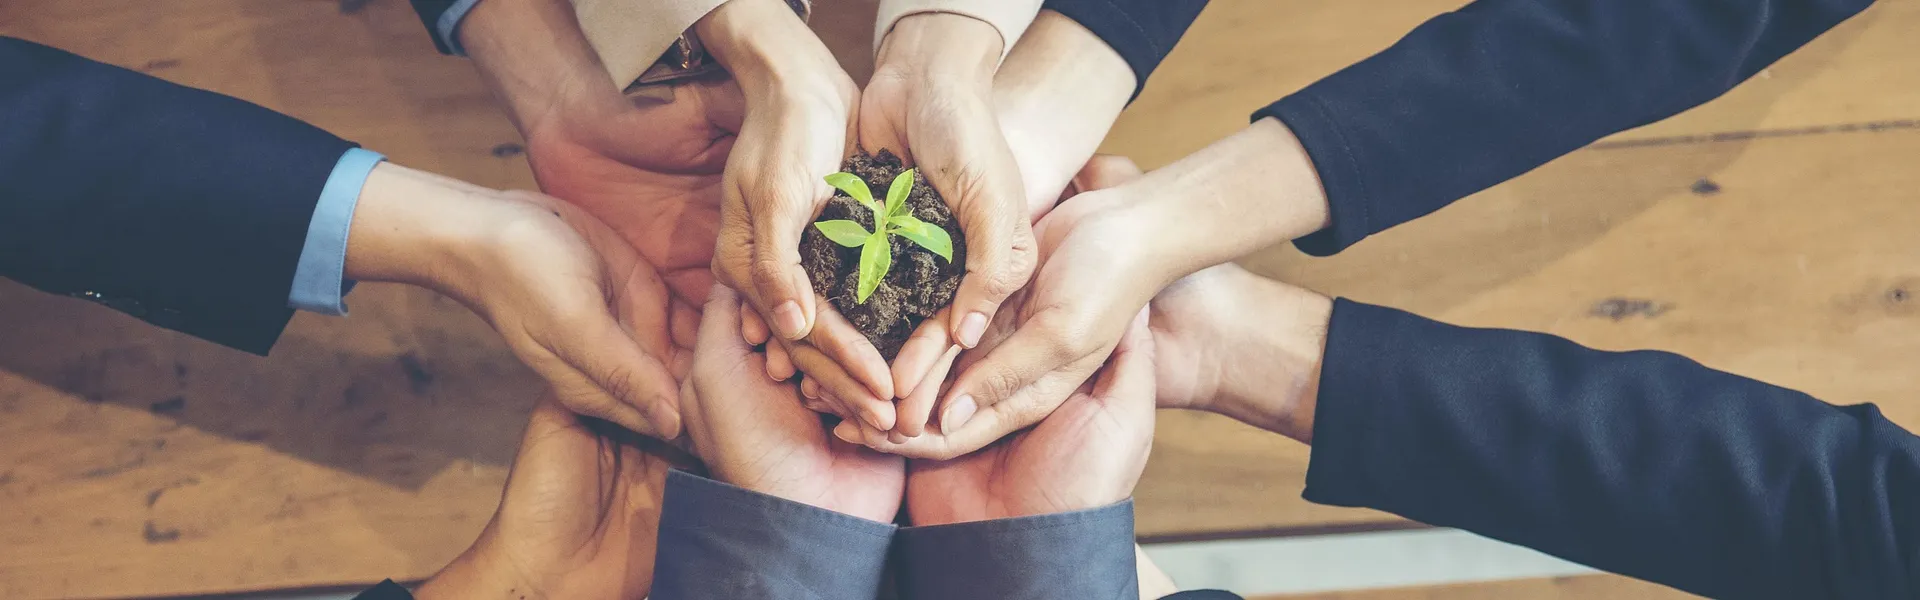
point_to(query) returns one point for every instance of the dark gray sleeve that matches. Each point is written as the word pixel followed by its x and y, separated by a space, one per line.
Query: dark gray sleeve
pixel 723 542
pixel 1085 555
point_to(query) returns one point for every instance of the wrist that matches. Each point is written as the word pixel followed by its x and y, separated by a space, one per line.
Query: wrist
pixel 1272 369
pixel 1057 96
pixel 542 83
pixel 766 47
pixel 473 575
pixel 424 229
pixel 941 46
pixel 1248 191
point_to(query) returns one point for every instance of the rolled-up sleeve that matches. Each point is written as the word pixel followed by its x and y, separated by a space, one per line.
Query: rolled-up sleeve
pixel 319 278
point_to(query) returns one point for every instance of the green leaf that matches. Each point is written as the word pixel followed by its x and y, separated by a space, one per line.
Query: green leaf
pixel 897 193
pixel 853 186
pixel 843 232
pixel 927 235
pixel 875 258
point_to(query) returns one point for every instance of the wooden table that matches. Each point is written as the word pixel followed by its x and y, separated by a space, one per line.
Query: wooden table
pixel 1769 233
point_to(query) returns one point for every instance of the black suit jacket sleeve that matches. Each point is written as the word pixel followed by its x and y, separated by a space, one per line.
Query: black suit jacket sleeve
pixel 1142 31
pixel 430 11
pixel 183 207
pixel 1475 97
pixel 1642 463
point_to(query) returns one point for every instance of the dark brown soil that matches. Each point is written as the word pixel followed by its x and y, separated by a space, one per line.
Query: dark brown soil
pixel 919 284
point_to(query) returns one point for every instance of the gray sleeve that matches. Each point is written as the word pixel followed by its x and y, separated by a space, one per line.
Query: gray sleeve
pixel 723 542
pixel 1083 555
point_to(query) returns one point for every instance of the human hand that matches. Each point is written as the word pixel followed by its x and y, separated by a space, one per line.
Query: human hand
pixel 1057 95
pixel 647 165
pixel 1231 342
pixel 570 298
pixel 930 101
pixel 800 108
pixel 753 433
pixel 1053 339
pixel 577 519
pixel 1089 453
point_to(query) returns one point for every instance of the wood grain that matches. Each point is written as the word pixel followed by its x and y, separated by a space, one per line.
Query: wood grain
pixel 140 462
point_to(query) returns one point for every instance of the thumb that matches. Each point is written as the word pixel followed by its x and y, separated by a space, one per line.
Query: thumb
pixel 780 287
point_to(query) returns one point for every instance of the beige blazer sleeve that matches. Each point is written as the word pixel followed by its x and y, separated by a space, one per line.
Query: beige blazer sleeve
pixel 1009 17
pixel 629 35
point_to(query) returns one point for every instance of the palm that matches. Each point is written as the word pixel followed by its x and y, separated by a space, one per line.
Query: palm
pixel 807 463
pixel 581 508
pixel 1039 471
pixel 652 173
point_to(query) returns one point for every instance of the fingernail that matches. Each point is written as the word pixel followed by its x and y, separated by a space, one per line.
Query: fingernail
pixel 847 432
pixel 958 413
pixel 810 389
pixel 896 437
pixel 971 328
pixel 787 316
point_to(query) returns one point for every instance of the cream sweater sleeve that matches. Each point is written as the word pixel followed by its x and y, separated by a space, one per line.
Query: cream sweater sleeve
pixel 629 35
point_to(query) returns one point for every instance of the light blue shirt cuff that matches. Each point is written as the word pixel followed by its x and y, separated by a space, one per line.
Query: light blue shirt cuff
pixel 319 280
pixel 449 24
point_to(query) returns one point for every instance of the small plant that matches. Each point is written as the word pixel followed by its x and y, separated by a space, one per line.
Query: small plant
pixel 891 217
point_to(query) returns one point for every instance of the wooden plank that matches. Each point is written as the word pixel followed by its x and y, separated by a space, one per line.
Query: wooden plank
pixel 1581 587
pixel 142 462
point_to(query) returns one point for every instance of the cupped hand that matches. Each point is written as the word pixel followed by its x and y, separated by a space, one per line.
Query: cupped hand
pixel 577 520
pixel 1089 453
pixel 753 432
pixel 931 102
pixel 570 298
pixel 800 108
pixel 1093 279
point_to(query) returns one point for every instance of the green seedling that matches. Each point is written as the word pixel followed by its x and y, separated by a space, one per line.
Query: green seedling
pixel 889 218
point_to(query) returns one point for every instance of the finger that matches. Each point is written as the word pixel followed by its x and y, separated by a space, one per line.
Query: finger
pixel 987 425
pixel 585 397
pixel 810 388
pixel 779 366
pixel 720 321
pixel 1037 348
pixel 754 328
pixel 1001 254
pixel 604 354
pixel 917 408
pixel 852 354
pixel 918 353
pixel 784 290
pixel 852 395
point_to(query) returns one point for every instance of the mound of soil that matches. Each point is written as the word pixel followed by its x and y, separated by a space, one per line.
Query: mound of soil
pixel 919 284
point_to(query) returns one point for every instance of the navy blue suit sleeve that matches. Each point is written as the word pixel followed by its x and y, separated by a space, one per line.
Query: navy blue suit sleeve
pixel 1087 555
pixel 723 542
pixel 1641 463
pixel 1141 31
pixel 180 206
pixel 1478 96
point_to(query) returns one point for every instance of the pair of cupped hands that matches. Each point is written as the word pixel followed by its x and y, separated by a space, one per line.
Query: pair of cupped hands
pixel 1047 294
